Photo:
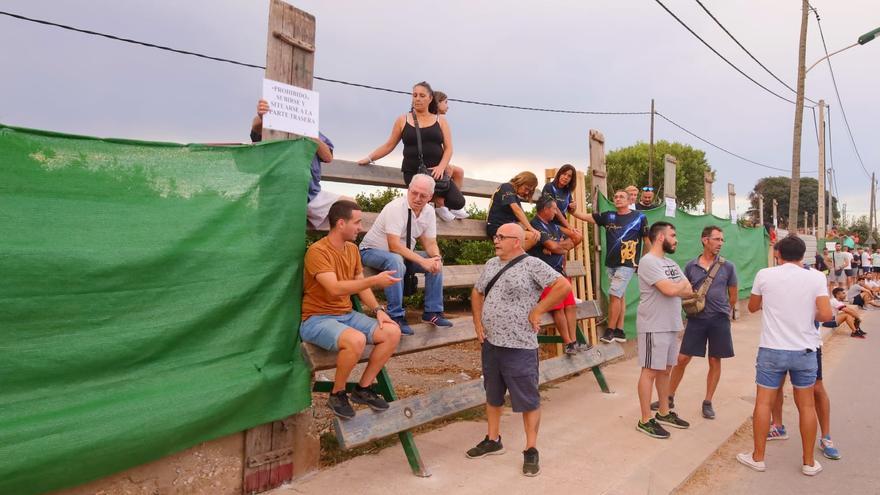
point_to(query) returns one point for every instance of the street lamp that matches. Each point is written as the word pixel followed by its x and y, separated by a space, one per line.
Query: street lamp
pixel 869 36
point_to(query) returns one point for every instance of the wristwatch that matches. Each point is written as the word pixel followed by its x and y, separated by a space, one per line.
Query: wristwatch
pixel 378 308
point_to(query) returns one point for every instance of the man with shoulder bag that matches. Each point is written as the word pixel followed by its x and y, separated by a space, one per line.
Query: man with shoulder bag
pixel 709 312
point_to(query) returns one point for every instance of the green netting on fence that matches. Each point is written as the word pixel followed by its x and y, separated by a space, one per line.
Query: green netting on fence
pixel 150 299
pixel 745 247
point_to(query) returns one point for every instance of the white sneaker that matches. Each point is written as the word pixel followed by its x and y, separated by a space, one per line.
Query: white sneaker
pixel 812 470
pixel 444 214
pixel 746 458
pixel 459 213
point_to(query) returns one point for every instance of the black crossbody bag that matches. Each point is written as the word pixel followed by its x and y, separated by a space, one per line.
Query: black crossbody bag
pixel 410 282
pixel 441 185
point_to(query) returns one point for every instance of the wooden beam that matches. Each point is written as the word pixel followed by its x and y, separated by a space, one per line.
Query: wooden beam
pixel 670 163
pixel 428 337
pixel 457 276
pixel 456 229
pixel 406 414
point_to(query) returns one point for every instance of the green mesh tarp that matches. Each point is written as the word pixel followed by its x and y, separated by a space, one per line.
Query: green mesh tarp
pixel 745 247
pixel 150 299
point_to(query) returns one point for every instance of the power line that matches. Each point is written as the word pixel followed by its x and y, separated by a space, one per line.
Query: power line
pixel 710 143
pixel 765 88
pixel 336 81
pixel 747 51
pixel 837 93
pixel 378 88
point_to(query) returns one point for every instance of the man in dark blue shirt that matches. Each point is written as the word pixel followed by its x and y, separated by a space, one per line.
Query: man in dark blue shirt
pixel 625 231
pixel 712 325
pixel 551 248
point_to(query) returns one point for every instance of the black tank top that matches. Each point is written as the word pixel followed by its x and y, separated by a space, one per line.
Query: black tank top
pixel 432 147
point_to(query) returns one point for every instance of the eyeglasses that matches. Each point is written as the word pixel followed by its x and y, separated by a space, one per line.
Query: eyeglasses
pixel 499 237
pixel 647 188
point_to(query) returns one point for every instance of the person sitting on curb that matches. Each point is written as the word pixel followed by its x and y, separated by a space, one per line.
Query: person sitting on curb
pixel 790 299
pixel 658 321
pixel 386 247
pixel 845 313
pixel 319 200
pixel 506 207
pixel 506 312
pixel 332 274
pixel 551 249
pixel 712 325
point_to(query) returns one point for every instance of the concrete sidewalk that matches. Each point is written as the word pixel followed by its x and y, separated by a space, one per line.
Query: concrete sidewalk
pixel 588 440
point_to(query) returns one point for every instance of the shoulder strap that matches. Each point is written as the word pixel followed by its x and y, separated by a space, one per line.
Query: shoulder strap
pixel 501 271
pixel 408 228
pixel 422 168
pixel 713 270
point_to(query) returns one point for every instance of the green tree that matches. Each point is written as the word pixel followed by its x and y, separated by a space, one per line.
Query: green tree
pixel 629 166
pixel 374 202
pixel 778 188
pixel 860 227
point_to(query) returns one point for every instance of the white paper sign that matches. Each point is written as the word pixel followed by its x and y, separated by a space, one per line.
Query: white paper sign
pixel 733 216
pixel 831 245
pixel 291 109
pixel 670 207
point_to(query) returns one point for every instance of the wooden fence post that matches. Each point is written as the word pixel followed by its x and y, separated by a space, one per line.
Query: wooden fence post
pixel 599 180
pixel 708 179
pixel 731 200
pixel 276 452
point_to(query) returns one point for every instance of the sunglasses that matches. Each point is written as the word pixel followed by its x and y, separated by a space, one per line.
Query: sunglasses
pixel 647 188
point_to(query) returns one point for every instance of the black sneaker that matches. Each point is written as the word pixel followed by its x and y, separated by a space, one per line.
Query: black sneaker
pixel 570 348
pixel 708 411
pixel 486 447
pixel 608 336
pixel 340 406
pixel 619 336
pixel 672 420
pixel 652 429
pixel 367 397
pixel 655 406
pixel 530 462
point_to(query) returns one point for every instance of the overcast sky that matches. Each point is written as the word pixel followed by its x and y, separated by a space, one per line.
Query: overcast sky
pixel 607 55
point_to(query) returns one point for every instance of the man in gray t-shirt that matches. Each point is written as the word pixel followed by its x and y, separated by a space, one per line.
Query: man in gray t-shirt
pixel 506 323
pixel 658 320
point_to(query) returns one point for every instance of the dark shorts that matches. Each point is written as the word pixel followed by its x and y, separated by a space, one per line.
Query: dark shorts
pixel 515 370
pixel 714 331
pixel 819 359
pixel 850 272
pixel 859 301
pixel 876 269
pixel 830 324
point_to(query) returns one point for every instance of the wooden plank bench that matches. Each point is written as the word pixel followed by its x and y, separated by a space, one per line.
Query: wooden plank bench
pixel 404 415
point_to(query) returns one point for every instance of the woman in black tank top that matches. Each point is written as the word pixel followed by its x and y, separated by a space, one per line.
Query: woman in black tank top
pixel 436 144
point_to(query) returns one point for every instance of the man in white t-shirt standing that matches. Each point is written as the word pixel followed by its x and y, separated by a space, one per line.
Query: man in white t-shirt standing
pixel 791 299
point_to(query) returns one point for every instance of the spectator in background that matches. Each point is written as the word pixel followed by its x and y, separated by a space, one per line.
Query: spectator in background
pixel 457 173
pixel 560 189
pixel 875 261
pixel 632 193
pixel 506 207
pixel 646 201
pixel 319 200
pixel 866 260
pixel 837 270
pixel 436 137
pixel 551 249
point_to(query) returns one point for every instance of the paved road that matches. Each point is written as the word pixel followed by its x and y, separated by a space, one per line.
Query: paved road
pixel 853 383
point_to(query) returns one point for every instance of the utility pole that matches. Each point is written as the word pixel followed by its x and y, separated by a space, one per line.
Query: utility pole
pixel 820 220
pixel 843 219
pixel 731 201
pixel 775 217
pixel 798 121
pixel 708 179
pixel 830 209
pixel 870 240
pixel 651 149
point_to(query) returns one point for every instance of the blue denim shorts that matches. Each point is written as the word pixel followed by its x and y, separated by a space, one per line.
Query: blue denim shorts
pixel 772 366
pixel 618 279
pixel 324 330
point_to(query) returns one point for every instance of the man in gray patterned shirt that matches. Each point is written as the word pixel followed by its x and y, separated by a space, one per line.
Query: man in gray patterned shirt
pixel 506 323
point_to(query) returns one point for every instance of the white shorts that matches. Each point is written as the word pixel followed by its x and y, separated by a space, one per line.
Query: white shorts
pixel 657 350
pixel 319 208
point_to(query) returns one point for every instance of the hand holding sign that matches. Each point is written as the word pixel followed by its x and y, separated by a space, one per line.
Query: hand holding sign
pixel 291 109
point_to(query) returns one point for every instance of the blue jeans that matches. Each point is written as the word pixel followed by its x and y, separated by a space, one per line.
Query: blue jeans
pixel 385 260
pixel 773 364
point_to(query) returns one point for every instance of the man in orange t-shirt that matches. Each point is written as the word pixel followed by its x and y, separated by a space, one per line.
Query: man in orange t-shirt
pixel 333 273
